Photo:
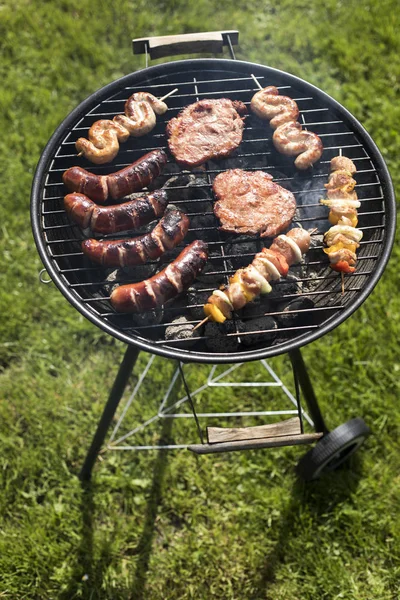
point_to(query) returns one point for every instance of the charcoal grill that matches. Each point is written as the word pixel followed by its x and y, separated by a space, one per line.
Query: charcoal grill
pixel 87 287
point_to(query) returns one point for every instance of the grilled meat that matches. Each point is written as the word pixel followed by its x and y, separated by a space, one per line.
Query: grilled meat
pixel 120 217
pixel 268 265
pixel 167 234
pixel 106 135
pixel 343 239
pixel 251 203
pixel 289 138
pixel 116 185
pixel 165 285
pixel 206 129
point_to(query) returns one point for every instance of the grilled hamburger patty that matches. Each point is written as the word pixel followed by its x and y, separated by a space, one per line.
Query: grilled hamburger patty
pixel 251 203
pixel 206 129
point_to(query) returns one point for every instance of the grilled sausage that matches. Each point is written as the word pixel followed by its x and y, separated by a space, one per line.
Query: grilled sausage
pixel 292 140
pixel 168 283
pixel 167 234
pixel 121 217
pixel 268 104
pixel 116 185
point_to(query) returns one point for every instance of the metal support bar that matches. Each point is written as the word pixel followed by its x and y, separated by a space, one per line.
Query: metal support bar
pixel 305 383
pixel 121 380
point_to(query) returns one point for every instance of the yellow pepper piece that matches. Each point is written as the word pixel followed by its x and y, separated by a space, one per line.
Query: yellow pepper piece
pixel 334 219
pixel 339 246
pixel 213 313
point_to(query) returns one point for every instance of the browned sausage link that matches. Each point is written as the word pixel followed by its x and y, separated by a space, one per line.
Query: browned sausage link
pixel 116 185
pixel 169 232
pixel 121 217
pixel 163 286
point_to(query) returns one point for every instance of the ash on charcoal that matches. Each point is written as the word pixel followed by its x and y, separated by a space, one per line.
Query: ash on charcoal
pixel 181 329
pixel 182 187
pixel 288 286
pixel 290 317
pixel 197 298
pixel 261 335
pixel 216 337
pixel 111 279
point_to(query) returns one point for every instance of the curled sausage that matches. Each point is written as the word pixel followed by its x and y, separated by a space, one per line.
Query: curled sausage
pixel 168 283
pixel 105 135
pixel 292 140
pixel 268 104
pixel 121 183
pixel 120 217
pixel 167 234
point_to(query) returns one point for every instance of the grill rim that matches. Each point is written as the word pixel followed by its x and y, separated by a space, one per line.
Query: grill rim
pixel 337 319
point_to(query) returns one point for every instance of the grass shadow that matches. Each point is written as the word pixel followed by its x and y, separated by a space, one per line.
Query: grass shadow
pixel 322 496
pixel 144 546
pixel 88 574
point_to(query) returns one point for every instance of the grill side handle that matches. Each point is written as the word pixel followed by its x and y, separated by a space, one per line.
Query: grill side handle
pixel 188 43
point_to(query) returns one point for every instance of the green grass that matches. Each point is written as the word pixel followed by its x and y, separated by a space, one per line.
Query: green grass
pixel 169 526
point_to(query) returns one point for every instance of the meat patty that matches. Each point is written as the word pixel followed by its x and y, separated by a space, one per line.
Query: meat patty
pixel 251 203
pixel 206 129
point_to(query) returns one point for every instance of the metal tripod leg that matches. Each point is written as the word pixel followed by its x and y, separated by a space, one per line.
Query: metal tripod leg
pixel 125 369
pixel 300 371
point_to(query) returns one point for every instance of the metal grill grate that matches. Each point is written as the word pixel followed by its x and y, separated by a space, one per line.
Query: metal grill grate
pixel 88 286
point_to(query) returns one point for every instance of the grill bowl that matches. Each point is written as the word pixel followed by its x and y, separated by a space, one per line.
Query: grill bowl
pixel 87 286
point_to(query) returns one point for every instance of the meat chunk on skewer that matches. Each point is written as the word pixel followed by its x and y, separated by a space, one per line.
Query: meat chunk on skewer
pixel 343 239
pixel 268 265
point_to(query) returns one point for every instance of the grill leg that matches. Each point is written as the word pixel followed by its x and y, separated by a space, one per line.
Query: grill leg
pixel 125 369
pixel 300 371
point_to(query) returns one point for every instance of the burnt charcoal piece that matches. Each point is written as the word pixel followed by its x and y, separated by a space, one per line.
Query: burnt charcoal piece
pixel 197 296
pixel 211 276
pixel 290 317
pixel 240 253
pixel 257 308
pixel 181 329
pixel 216 336
pixel 290 285
pixel 150 317
pixel 261 334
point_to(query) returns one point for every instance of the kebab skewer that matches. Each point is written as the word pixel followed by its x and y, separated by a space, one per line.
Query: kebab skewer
pixel 268 265
pixel 343 238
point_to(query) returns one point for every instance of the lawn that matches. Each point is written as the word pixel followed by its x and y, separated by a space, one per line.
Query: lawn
pixel 170 525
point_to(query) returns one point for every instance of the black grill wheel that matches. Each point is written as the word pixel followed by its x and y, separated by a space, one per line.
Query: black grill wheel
pixel 333 449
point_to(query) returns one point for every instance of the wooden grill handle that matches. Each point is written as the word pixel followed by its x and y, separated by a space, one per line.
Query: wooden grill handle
pixel 188 43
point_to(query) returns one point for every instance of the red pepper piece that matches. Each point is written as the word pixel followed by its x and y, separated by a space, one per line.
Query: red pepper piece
pixel 343 267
